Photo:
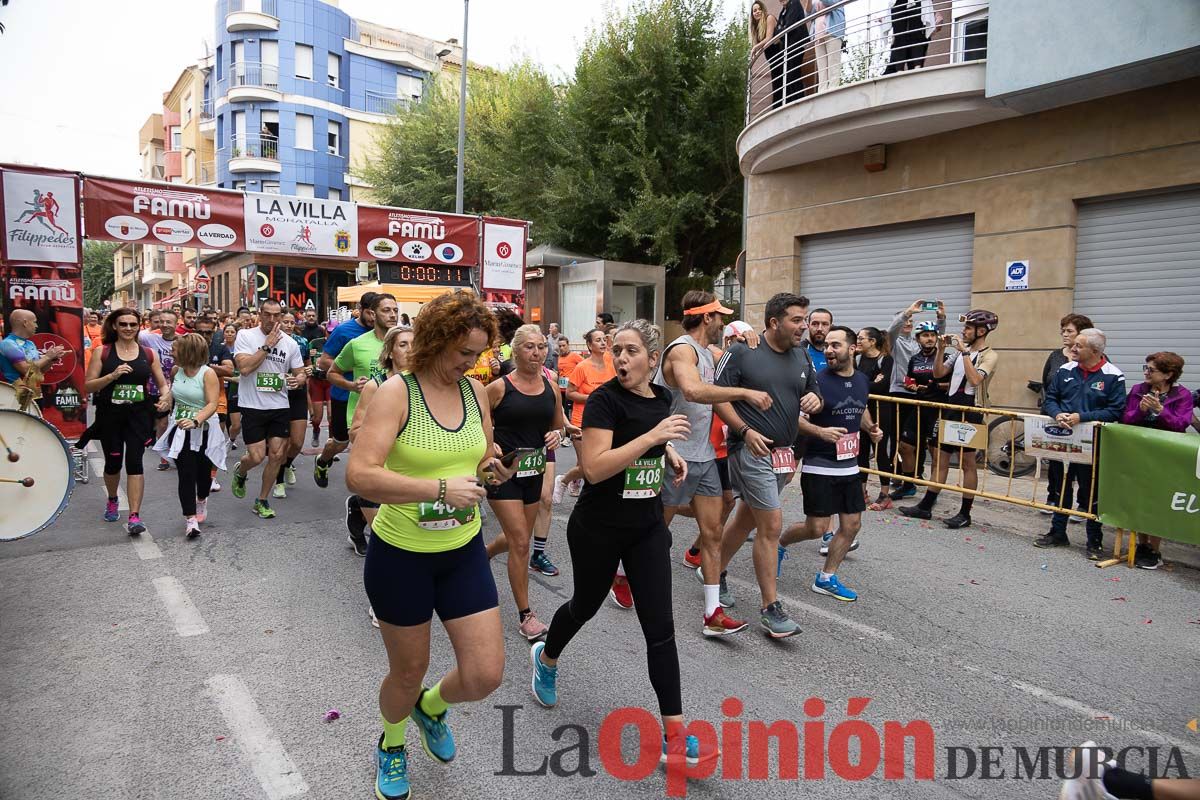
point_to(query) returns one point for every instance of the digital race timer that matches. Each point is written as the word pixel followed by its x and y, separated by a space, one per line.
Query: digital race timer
pixel 424 274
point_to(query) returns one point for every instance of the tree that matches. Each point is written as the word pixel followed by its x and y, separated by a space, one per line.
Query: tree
pixel 97 272
pixel 633 159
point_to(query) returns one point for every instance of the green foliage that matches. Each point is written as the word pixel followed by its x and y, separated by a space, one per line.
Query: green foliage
pixel 634 159
pixel 97 272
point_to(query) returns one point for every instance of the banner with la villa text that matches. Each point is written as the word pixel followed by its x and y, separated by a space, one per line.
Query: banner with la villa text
pixel 1150 482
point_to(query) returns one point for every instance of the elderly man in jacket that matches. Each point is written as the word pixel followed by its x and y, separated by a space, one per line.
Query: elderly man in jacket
pixel 1087 389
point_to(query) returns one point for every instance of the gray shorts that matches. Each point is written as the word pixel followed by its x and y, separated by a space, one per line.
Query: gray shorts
pixel 702 479
pixel 754 480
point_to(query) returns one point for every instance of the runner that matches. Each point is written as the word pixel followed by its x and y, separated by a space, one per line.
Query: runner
pixel 829 477
pixel 568 359
pixel 220 359
pixel 761 459
pixel 339 397
pixel 231 390
pixel 619 517
pixel 528 419
pixel 353 369
pixel 270 364
pixel 588 375
pixel 318 388
pixel 194 440
pixel 424 444
pixel 162 341
pixel 124 422
pixel 298 413
pixel 687 372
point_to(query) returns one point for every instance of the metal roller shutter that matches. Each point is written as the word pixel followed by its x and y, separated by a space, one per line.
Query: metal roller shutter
pixel 1137 276
pixel 865 276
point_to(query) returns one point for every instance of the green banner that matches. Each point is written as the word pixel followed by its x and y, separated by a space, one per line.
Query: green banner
pixel 1150 482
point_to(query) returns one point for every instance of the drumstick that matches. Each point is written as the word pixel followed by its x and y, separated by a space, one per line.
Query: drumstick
pixel 13 457
pixel 26 482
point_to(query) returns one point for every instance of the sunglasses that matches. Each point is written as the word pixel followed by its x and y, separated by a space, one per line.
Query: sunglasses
pixel 127 324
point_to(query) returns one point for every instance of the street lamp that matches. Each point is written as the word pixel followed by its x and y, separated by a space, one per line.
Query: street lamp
pixel 462 117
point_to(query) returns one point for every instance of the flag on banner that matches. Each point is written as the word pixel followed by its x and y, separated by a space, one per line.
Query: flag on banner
pixel 1150 482
pixel 41 216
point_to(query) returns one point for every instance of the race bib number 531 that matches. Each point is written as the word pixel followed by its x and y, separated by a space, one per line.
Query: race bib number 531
pixel 643 478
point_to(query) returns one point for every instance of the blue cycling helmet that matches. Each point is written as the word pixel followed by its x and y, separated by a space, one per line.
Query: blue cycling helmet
pixel 927 325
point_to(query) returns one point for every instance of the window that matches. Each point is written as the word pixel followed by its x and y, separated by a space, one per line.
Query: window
pixel 304 190
pixel 187 108
pixel 335 136
pixel 335 70
pixel 335 194
pixel 304 61
pixel 304 132
pixel 269 49
pixel 189 167
pixel 579 308
pixel 220 65
pixel 271 187
pixel 408 87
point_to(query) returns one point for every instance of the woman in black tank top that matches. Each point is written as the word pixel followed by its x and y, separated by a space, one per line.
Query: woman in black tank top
pixel 124 422
pixel 526 415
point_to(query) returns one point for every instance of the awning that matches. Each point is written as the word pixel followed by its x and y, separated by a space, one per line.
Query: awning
pixel 170 298
pixel 402 292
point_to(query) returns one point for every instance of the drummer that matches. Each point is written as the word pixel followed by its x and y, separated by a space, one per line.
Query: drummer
pixel 18 352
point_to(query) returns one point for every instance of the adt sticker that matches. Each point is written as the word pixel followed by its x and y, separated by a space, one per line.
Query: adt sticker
pixel 1016 276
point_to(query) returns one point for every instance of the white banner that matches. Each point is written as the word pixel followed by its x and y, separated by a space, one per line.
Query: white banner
pixel 41 217
pixel 503 257
pixel 1045 438
pixel 301 225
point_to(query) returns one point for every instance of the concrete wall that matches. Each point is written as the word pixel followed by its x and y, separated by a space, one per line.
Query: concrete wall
pixel 1020 178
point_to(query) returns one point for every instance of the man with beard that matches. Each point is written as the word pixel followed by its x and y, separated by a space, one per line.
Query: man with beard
pixel 820 320
pixel 162 342
pixel 688 371
pixel 919 379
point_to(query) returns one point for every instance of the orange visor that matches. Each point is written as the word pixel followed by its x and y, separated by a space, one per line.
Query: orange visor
pixel 715 305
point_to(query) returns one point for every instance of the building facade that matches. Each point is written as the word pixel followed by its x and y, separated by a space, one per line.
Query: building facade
pixel 1032 160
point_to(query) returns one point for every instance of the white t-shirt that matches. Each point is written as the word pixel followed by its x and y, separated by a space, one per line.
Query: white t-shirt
pixel 255 390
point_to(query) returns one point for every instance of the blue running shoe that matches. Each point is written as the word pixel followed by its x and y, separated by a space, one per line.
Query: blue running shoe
pixel 391 773
pixel 545 679
pixel 779 564
pixel 435 735
pixel 827 538
pixel 687 748
pixel 111 512
pixel 833 587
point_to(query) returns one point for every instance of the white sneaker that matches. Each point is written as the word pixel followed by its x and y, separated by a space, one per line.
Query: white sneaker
pixel 201 510
pixel 289 475
pixel 559 488
pixel 374 619
pixel 1089 785
pixel 575 487
pixel 279 493
pixel 827 538
pixel 216 487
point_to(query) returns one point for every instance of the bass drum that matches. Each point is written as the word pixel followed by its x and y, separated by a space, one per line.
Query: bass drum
pixel 8 400
pixel 36 474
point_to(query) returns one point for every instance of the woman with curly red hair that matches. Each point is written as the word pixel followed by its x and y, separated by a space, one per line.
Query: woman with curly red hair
pixel 425 452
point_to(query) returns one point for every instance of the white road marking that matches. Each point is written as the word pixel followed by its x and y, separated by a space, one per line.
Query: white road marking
pixel 145 547
pixel 97 462
pixel 187 619
pixel 275 770
pixel 817 611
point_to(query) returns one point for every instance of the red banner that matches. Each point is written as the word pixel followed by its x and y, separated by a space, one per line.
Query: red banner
pixel 55 296
pixel 417 237
pixel 163 213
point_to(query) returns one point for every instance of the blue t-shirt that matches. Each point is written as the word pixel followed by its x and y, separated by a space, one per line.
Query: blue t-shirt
pixel 817 354
pixel 14 349
pixel 845 402
pixel 342 334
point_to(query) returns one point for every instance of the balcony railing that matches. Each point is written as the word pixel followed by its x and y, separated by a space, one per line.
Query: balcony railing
pixel 380 103
pixel 208 173
pixel 257 145
pixel 206 109
pixel 270 7
pixel 254 74
pixel 393 40
pixel 838 45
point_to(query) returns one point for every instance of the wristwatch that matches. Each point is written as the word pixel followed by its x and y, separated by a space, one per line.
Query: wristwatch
pixel 266 348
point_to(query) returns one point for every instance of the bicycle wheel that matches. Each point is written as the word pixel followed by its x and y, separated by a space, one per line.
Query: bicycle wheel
pixel 1006 448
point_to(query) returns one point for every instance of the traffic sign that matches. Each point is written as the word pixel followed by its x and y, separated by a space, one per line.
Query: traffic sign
pixel 202 274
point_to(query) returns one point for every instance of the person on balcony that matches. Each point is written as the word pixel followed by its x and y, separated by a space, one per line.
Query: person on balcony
pixel 829 29
pixel 914 23
pixel 762 30
pixel 792 14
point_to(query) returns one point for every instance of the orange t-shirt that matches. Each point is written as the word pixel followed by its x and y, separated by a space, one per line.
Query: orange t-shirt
pixel 567 363
pixel 585 378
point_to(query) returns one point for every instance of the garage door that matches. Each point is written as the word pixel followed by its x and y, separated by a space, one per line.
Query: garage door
pixel 1137 275
pixel 865 276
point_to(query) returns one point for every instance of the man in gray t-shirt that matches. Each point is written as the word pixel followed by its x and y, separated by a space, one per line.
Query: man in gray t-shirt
pixel 761 459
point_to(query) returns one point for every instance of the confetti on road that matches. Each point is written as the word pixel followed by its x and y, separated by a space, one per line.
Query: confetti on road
pixel 1122 598
pixel 332 714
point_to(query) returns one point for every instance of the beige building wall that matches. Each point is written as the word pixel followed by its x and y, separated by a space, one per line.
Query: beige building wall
pixel 1021 179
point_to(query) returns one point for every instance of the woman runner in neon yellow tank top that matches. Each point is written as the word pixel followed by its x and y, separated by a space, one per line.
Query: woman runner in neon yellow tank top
pixel 424 450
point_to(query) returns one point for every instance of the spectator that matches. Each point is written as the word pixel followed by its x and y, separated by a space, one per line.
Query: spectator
pixel 405 320
pixel 603 318
pixel 762 31
pixel 1196 414
pixel 876 364
pixel 820 320
pixel 904 347
pixel 829 29
pixel 1161 403
pixel 914 23
pixel 187 324
pixel 795 41
pixel 554 332
pixel 1058 493
pixel 1089 389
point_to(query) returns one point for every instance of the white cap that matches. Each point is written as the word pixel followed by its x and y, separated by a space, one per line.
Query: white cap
pixel 736 328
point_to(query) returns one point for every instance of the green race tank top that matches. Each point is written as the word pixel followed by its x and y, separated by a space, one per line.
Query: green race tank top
pixel 425 449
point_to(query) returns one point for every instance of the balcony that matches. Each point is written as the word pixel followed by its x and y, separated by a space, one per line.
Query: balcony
pixel 392 46
pixel 254 80
pixel 807 101
pixel 154 271
pixel 174 261
pixel 172 164
pixel 254 153
pixel 207 175
pixel 252 15
pixel 385 104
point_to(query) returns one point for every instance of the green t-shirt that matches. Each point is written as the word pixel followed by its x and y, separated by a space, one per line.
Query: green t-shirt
pixel 360 357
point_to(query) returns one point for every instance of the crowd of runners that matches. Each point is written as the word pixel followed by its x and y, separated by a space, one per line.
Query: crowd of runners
pixel 466 404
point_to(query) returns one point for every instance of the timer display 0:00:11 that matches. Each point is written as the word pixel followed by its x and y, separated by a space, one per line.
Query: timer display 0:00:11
pixel 422 274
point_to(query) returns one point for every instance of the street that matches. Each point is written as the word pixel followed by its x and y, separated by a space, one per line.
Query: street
pixel 160 667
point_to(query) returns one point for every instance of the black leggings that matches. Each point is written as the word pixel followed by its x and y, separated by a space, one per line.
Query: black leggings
pixel 125 439
pixel 195 473
pixel 884 415
pixel 595 551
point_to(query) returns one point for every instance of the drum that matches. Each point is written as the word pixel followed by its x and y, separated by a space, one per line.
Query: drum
pixel 36 474
pixel 8 399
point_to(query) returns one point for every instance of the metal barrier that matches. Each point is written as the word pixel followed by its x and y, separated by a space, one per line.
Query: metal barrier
pixel 1005 458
